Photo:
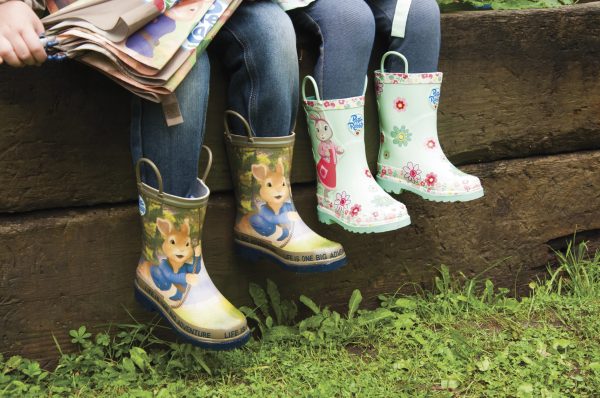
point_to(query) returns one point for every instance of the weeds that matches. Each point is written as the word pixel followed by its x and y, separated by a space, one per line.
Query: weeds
pixel 458 5
pixel 464 338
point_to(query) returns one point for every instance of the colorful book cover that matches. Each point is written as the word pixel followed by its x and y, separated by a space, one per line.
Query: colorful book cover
pixel 55 5
pixel 201 37
pixel 152 61
pixel 157 42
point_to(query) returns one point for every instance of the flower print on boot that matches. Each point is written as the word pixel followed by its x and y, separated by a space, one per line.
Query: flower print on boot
pixel 352 199
pixel 410 155
pixel 171 277
pixel 267 223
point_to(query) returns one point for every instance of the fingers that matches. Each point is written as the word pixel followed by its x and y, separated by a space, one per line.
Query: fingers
pixel 34 45
pixel 21 49
pixel 38 26
pixel 7 53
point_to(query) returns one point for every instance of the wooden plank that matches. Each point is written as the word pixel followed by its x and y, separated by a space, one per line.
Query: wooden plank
pixel 62 269
pixel 517 83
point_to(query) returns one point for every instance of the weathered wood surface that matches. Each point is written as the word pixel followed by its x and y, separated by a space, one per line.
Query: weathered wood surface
pixel 516 84
pixel 62 269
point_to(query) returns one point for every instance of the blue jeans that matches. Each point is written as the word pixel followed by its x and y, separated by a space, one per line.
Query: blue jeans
pixel 257 47
pixel 347 34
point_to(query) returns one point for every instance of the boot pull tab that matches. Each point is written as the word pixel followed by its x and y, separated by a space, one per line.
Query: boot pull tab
pixel 249 131
pixel 208 164
pixel 397 54
pixel 150 163
pixel 315 87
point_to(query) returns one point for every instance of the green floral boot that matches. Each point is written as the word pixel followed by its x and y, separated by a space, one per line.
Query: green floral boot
pixel 410 155
pixel 347 193
pixel 267 223
pixel 171 277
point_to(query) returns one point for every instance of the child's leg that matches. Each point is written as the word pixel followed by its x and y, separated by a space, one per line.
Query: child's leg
pixel 347 193
pixel 175 150
pixel 258 49
pixel 346 31
pixel 421 42
pixel 195 308
pixel 410 155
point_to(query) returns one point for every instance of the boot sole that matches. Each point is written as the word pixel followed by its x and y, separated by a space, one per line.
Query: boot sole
pixel 329 219
pixel 256 253
pixel 398 187
pixel 149 304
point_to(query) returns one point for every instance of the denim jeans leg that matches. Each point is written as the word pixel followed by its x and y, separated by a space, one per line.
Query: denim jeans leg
pixel 257 47
pixel 421 42
pixel 175 150
pixel 345 30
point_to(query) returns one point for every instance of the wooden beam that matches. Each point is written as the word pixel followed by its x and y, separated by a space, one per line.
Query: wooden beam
pixel 517 84
pixel 60 269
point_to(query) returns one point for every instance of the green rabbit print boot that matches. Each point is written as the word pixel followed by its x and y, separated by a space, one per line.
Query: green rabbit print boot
pixel 347 193
pixel 410 155
pixel 171 276
pixel 267 223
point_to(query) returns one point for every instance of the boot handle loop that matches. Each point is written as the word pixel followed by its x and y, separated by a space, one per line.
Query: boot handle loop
pixel 208 164
pixel 315 87
pixel 242 119
pixel 150 163
pixel 396 54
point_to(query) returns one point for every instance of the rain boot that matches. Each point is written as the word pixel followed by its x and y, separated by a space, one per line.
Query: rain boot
pixel 267 223
pixel 410 155
pixel 347 193
pixel 171 277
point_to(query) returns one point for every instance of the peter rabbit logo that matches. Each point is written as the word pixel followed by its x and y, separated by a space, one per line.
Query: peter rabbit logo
pixel 355 124
pixel 206 23
pixel 276 215
pixel 175 270
pixel 328 151
pixel 434 98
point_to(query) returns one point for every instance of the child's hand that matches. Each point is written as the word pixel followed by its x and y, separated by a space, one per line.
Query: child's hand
pixel 20 29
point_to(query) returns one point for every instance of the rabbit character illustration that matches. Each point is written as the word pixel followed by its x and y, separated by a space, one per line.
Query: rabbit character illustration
pixel 175 270
pixel 328 151
pixel 275 216
pixel 145 40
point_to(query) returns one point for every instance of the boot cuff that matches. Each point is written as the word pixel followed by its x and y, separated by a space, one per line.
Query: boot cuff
pixel 260 142
pixel 199 191
pixel 343 103
pixel 408 78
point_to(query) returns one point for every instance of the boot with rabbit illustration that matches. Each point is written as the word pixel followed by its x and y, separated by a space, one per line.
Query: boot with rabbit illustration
pixel 267 223
pixel 347 193
pixel 171 277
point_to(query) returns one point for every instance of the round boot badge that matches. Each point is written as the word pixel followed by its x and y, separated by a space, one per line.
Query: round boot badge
pixel 141 205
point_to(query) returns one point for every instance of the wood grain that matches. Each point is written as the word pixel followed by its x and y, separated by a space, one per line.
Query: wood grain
pixel 60 269
pixel 517 84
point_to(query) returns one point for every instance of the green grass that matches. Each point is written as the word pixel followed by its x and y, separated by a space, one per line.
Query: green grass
pixel 464 339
